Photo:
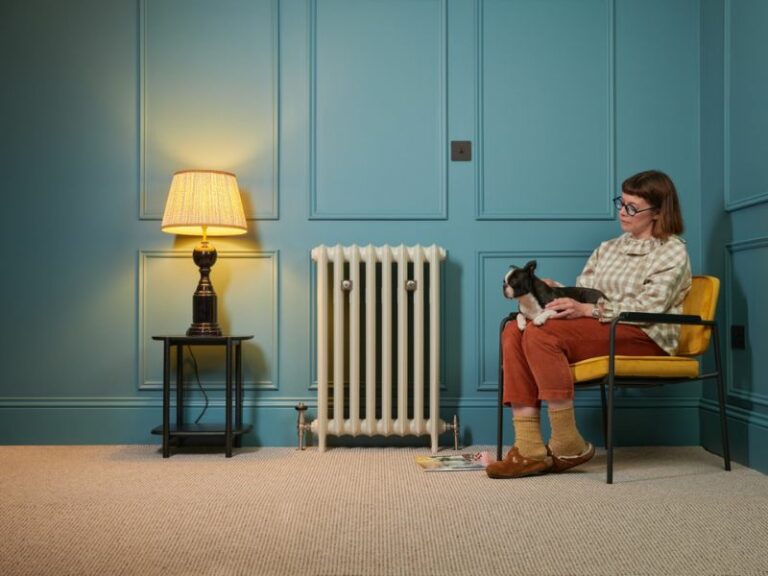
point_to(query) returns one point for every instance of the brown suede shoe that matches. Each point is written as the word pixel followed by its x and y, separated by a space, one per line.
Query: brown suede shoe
pixel 515 465
pixel 563 463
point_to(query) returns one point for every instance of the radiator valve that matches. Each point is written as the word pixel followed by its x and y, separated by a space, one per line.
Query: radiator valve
pixel 454 426
pixel 302 426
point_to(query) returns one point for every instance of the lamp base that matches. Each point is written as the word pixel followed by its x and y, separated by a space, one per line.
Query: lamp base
pixel 204 317
pixel 204 329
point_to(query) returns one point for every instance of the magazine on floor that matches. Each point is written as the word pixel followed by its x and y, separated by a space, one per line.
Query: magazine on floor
pixel 455 462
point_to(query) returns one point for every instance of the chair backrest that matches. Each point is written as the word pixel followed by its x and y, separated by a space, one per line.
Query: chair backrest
pixel 700 301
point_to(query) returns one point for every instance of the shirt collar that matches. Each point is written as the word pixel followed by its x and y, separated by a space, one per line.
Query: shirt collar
pixel 635 247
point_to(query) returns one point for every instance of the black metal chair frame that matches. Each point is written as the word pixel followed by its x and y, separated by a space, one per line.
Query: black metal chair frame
pixel 611 381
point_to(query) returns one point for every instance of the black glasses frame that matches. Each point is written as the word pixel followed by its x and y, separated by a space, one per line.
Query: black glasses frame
pixel 630 209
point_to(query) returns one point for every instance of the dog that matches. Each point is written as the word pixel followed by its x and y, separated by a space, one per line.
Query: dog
pixel 533 294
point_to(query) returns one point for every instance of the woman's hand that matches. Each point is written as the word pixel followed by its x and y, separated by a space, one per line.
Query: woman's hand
pixel 569 308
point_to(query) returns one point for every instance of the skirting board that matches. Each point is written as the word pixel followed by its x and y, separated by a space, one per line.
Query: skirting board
pixel 747 432
pixel 125 420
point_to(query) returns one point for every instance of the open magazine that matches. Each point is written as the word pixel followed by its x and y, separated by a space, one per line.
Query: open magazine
pixel 455 462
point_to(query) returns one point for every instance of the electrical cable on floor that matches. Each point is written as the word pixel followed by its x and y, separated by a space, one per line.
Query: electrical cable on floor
pixel 199 385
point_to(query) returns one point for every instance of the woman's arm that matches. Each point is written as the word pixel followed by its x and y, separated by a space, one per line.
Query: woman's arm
pixel 570 308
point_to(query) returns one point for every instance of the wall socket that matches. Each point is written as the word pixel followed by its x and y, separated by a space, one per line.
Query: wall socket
pixel 738 337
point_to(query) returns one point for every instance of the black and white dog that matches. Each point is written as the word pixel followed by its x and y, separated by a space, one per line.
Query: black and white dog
pixel 532 294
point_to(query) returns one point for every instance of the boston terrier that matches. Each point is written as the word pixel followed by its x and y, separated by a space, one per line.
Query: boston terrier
pixel 532 294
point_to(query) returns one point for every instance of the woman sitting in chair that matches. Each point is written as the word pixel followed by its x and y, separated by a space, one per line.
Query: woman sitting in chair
pixel 646 269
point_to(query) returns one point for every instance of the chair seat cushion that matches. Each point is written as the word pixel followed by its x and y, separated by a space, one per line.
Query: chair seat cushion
pixel 640 366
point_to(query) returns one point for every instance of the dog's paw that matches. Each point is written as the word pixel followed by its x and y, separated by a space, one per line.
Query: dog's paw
pixel 521 322
pixel 541 319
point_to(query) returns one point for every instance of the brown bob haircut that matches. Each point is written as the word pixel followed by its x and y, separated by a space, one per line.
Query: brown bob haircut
pixel 657 189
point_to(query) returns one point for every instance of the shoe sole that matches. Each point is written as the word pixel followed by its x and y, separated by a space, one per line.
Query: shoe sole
pixel 526 475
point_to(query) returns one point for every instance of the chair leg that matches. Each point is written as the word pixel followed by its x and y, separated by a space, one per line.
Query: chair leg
pixel 721 401
pixel 500 413
pixel 609 434
pixel 604 410
pixel 611 389
pixel 500 406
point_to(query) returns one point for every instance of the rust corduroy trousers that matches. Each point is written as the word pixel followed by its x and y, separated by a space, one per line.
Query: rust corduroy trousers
pixel 536 360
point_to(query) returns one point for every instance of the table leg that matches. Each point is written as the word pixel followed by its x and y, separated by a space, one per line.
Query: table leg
pixel 166 398
pixel 228 401
pixel 179 386
pixel 239 392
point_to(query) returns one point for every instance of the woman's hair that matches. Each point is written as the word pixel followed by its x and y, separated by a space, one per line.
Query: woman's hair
pixel 659 191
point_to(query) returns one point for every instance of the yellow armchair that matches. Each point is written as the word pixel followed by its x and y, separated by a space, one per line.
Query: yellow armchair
pixel 697 329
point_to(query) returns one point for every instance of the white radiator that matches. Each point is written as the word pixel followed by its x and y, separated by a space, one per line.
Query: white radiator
pixel 378 342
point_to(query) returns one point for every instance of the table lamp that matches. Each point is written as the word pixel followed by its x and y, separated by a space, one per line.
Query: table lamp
pixel 204 203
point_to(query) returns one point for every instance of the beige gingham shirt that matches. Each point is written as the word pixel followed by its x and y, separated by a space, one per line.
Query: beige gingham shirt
pixel 641 276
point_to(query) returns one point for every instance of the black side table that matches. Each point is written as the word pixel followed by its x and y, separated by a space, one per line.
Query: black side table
pixel 232 434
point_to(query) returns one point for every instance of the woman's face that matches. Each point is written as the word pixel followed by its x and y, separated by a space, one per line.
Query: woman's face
pixel 641 224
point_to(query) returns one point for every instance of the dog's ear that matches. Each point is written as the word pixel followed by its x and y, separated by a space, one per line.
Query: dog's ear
pixel 530 266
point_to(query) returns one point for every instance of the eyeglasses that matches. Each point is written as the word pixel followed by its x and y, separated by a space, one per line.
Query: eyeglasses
pixel 630 209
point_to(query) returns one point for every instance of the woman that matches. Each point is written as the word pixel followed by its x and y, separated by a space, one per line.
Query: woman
pixel 645 269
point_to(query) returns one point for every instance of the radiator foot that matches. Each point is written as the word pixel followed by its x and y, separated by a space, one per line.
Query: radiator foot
pixel 302 426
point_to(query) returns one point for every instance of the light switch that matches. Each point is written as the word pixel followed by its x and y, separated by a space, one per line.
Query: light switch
pixel 461 150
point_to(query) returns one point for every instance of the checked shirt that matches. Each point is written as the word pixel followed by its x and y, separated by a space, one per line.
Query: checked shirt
pixel 650 275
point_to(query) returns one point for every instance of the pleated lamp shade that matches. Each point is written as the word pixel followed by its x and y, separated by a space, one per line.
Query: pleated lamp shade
pixel 204 202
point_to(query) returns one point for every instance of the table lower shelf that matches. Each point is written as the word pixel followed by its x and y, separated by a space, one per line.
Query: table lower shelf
pixel 201 430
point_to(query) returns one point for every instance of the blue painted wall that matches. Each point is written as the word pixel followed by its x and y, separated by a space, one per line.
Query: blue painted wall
pixel 734 212
pixel 336 115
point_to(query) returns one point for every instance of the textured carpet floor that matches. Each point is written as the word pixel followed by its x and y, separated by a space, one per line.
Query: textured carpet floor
pixel 112 510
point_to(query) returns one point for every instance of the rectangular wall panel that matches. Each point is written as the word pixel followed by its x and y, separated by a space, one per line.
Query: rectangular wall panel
pixel 492 306
pixel 746 94
pixel 746 285
pixel 378 116
pixel 209 85
pixel 545 109
pixel 246 285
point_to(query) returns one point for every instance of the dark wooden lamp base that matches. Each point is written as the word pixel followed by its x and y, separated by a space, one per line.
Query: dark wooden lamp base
pixel 204 305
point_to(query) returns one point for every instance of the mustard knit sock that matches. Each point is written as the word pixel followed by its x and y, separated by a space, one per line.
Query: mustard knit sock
pixel 528 438
pixel 565 439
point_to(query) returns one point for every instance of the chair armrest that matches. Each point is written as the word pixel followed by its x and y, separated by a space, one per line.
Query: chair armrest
pixel 656 318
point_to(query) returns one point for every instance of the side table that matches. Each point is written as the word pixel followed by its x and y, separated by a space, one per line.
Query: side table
pixel 232 386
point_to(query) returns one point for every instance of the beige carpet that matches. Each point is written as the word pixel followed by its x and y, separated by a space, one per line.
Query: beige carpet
pixel 110 510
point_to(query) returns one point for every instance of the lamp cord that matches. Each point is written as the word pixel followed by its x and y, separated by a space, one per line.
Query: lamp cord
pixel 199 385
